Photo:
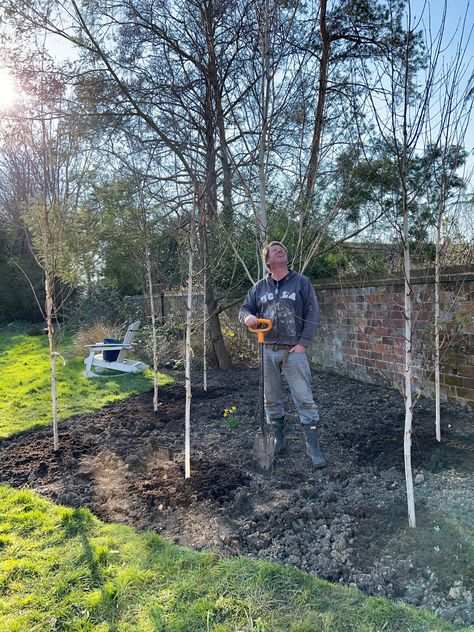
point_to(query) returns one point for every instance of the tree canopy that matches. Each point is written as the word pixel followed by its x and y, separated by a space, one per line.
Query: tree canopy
pixel 257 114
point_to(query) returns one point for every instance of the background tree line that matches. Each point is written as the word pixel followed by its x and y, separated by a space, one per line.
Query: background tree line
pixel 263 113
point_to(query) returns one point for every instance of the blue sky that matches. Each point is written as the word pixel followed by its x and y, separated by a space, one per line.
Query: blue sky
pixel 430 12
pixel 459 16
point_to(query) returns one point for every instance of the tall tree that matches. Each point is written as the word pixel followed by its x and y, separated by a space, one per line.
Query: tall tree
pixel 405 84
pixel 48 183
pixel 151 76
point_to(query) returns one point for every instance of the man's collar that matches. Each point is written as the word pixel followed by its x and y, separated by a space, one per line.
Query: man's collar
pixel 282 279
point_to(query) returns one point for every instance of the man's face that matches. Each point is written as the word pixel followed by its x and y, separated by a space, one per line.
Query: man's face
pixel 277 255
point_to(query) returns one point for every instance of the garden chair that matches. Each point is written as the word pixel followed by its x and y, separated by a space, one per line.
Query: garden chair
pixel 98 359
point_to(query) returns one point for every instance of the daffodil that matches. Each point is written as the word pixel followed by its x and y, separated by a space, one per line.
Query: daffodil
pixel 230 415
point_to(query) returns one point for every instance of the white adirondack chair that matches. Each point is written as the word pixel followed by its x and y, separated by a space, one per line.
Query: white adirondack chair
pixel 96 358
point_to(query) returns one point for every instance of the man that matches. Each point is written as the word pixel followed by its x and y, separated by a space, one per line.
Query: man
pixel 287 299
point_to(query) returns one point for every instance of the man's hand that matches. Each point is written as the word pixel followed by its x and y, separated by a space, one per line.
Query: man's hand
pixel 298 349
pixel 250 320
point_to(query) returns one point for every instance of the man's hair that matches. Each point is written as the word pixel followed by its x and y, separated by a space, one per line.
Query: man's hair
pixel 266 249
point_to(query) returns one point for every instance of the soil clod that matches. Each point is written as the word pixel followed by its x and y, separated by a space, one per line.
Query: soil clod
pixel 346 523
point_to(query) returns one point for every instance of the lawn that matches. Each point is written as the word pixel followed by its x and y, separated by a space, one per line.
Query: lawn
pixel 25 395
pixel 63 569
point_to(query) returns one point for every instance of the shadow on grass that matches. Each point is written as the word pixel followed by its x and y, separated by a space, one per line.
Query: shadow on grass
pixel 78 522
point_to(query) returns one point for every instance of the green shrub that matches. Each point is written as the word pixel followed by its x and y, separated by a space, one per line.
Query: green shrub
pixel 101 303
pixel 36 330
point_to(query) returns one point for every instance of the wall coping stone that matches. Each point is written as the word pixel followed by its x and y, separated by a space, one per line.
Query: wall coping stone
pixel 452 274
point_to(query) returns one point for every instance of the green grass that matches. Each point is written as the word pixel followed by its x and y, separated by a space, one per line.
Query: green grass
pixel 25 391
pixel 62 569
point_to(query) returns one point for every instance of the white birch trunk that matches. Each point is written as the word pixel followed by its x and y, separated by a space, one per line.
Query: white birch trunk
pixel 204 317
pixel 403 166
pixel 265 88
pixel 153 328
pixel 437 354
pixel 52 358
pixel 408 372
pixel 48 247
pixel 262 220
pixel 187 360
pixel 204 344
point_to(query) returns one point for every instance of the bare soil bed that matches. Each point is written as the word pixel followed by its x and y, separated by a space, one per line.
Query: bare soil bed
pixel 346 523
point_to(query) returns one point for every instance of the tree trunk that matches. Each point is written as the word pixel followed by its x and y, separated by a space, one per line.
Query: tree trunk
pixel 408 359
pixel 222 355
pixel 153 327
pixel 204 259
pixel 265 87
pixel 314 157
pixel 437 355
pixel 187 354
pixel 52 356
pixel 319 115
pixel 219 118
pixel 407 459
pixel 204 345
pixel 207 206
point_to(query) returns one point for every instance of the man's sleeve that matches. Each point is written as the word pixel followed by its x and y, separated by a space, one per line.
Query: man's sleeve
pixel 310 314
pixel 249 306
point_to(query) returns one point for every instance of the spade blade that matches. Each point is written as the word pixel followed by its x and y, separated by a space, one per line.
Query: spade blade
pixel 264 451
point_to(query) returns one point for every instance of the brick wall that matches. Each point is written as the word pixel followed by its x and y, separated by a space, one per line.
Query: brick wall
pixel 362 331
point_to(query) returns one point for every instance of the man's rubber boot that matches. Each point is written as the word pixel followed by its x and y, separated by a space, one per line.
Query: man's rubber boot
pixel 312 446
pixel 278 429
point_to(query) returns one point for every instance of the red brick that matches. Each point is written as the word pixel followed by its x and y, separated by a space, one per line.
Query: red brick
pixel 398 323
pixel 468 383
pixel 450 390
pixel 452 380
pixel 465 393
pixel 466 371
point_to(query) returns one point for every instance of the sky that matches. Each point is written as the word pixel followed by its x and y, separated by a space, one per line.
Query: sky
pixel 457 12
pixel 429 11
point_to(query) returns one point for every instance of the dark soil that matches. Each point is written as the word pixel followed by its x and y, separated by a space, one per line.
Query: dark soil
pixel 346 523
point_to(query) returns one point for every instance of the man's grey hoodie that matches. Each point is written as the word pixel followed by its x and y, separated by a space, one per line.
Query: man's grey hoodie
pixel 290 304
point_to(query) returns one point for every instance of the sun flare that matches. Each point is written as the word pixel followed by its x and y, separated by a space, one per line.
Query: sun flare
pixel 8 90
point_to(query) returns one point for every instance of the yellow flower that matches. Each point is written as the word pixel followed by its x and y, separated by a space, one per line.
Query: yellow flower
pixel 229 411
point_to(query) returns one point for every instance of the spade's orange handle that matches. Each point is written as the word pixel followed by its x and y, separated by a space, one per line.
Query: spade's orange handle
pixel 260 331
